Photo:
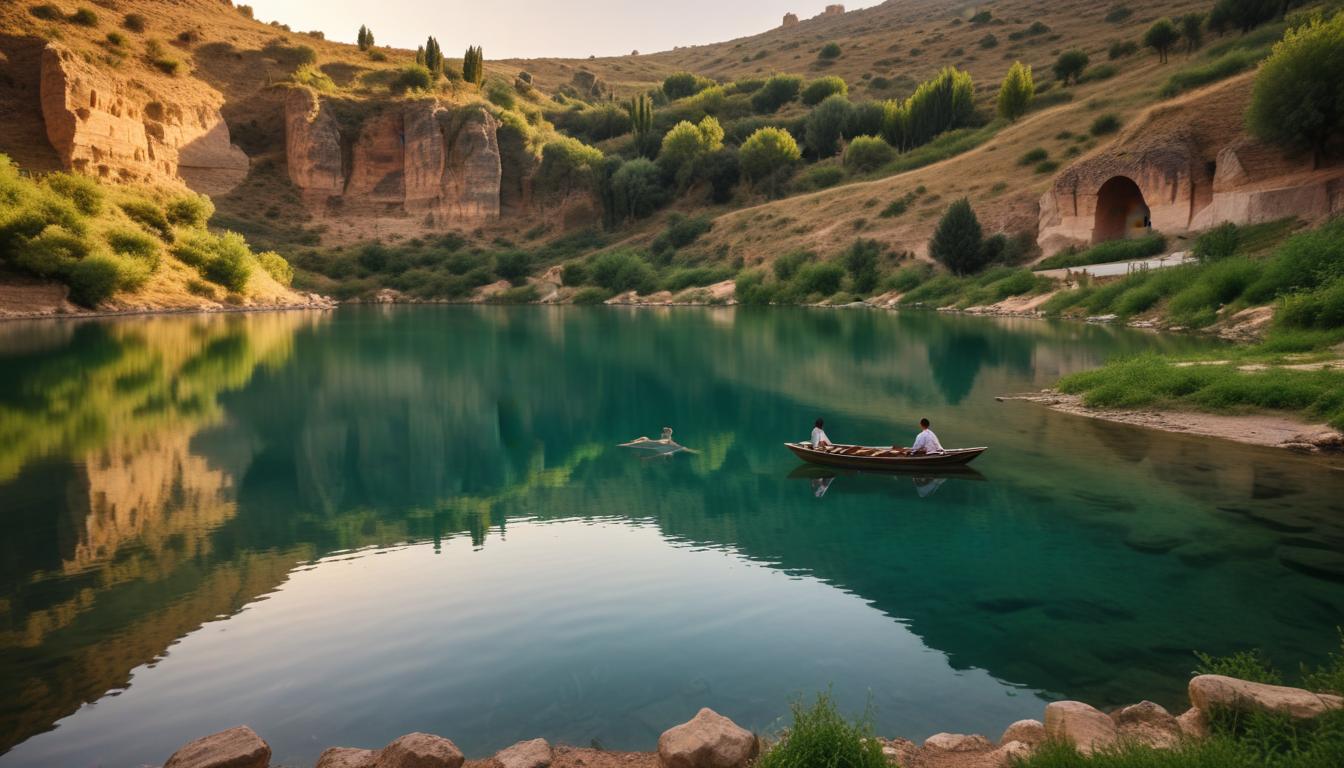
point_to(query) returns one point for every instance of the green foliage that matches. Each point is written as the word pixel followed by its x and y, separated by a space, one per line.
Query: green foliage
pixel 116 39
pixel 787 265
pixel 45 11
pixel 777 91
pixel 909 278
pixel 956 243
pixel 1220 68
pixel 989 41
pixel 1244 15
pixel 681 231
pixel 274 264
pixel 1070 65
pixel 752 289
pixel 513 265
pixel 1218 243
pixel 231 264
pixel 1321 309
pixel 54 252
pixel 1252 665
pixel 82 191
pixel 1297 101
pixel 1305 262
pixel 1118 13
pixel 622 270
pixel 686 142
pixel 821 736
pixel 364 39
pixel 829 52
pixel 591 295
pixel 637 189
pixel 473 65
pixel 1099 73
pixel 433 57
pixel 84 17
pixel 567 166
pixel 898 206
pixel 1192 31
pixel 825 125
pixel 818 90
pixel 189 210
pixel 867 153
pixel 680 85
pixel 1122 49
pixel 148 215
pixel 96 278
pixel 134 244
pixel 1107 252
pixel 860 261
pixel 942 104
pixel 820 176
pixel 1329 677
pixel 982 17
pixel 1016 91
pixel 767 156
pixel 1032 156
pixel 1161 36
pixel 640 111
pixel 818 278
pixel 313 77
pixel 722 170
pixel 1104 124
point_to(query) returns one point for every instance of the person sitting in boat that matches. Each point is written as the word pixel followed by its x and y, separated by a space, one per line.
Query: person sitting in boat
pixel 925 442
pixel 819 438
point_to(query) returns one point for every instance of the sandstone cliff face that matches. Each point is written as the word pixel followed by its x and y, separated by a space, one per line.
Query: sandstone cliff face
pixel 100 126
pixel 1195 168
pixel 418 161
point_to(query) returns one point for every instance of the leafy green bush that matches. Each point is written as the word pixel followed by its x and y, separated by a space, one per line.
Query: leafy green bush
pixel 231 265
pixel 1118 13
pixel 768 155
pixel 868 153
pixel 957 241
pixel 1220 68
pixel 820 176
pixel 1069 65
pixel 311 76
pixel 1297 101
pixel 1105 124
pixel 591 295
pixel 567 166
pixel 818 90
pixel 1217 243
pixel 1034 155
pixel 1322 309
pixel 1122 49
pixel 54 252
pixel 829 52
pixel 513 265
pixel 1252 665
pixel 679 85
pixel 777 91
pixel 689 277
pixel 277 267
pixel 189 210
pixel 681 231
pixel 1098 73
pixel 622 270
pixel 1016 91
pixel 752 289
pixel 637 189
pixel 413 77
pixel 135 22
pixel 817 278
pixel 45 11
pixel 860 261
pixel 898 206
pixel 825 125
pixel 85 17
pixel 1304 262
pixel 148 215
pixel 134 244
pixel 787 265
pixel 94 279
pixel 908 278
pixel 821 736
pixel 82 191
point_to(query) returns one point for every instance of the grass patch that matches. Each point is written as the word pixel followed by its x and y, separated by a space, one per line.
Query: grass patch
pixel 1229 64
pixel 821 736
pixel 1107 252
pixel 946 145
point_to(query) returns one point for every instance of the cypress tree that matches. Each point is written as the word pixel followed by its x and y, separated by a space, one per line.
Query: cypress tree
pixel 640 110
pixel 433 56
pixel 957 243
pixel 473 65
pixel 420 55
pixel 362 39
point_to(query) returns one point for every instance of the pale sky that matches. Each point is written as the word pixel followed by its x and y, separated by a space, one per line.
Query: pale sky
pixel 540 28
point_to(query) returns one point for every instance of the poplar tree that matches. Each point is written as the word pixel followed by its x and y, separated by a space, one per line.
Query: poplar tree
pixel 1017 91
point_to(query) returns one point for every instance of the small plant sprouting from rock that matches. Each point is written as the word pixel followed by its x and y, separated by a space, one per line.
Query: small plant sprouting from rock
pixel 820 735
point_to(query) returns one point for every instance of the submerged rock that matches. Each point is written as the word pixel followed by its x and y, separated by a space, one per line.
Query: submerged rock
pixel 239 747
pixel 526 754
pixel 1084 726
pixel 1208 692
pixel 708 740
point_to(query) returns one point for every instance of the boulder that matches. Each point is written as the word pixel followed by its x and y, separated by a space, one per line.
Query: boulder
pixel 239 747
pixel 1193 723
pixel 1086 727
pixel 1029 732
pixel 708 740
pixel 1010 754
pixel 347 757
pixel 1148 723
pixel 420 750
pixel 957 742
pixel 1208 692
pixel 526 754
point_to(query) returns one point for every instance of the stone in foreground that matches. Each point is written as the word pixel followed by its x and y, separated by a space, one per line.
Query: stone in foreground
pixel 1029 732
pixel 957 742
pixel 239 747
pixel 1193 723
pixel 347 757
pixel 1086 727
pixel 420 750
pixel 1149 723
pixel 526 754
pixel 708 740
pixel 1209 692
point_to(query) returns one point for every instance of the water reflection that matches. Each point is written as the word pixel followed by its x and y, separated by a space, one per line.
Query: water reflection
pixel 158 474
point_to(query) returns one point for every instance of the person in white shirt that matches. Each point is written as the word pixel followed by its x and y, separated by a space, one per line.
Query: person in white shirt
pixel 926 442
pixel 819 438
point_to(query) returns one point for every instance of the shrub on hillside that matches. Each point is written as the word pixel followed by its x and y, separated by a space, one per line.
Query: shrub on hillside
pixel 825 125
pixel 1070 65
pixel 679 85
pixel 681 231
pixel 1016 91
pixel 829 51
pixel 722 170
pixel 868 153
pixel 1224 66
pixel 134 22
pixel 148 215
pixel 513 265
pixel 685 143
pixel 85 17
pixel 1118 13
pixel 860 261
pixel 567 166
pixel 97 277
pixel 45 11
pixel 313 77
pixel 637 189
pixel 413 77
pixel 818 90
pixel 1122 49
pixel 957 242
pixel 134 244
pixel 1218 243
pixel 768 156
pixel 777 91
pixel 622 270
pixel 819 176
pixel 1297 101
pixel 1107 252
pixel 277 267
pixel 83 192
pixel 787 265
pixel 819 278
pixel 1105 124
pixel 189 210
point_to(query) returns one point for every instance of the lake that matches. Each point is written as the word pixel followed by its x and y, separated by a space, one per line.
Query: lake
pixel 342 527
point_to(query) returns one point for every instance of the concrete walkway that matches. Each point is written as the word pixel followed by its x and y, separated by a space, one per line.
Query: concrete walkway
pixel 1121 268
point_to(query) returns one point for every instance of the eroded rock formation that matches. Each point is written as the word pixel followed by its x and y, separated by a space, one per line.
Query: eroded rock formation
pixel 419 160
pixel 1182 167
pixel 101 126
pixel 790 20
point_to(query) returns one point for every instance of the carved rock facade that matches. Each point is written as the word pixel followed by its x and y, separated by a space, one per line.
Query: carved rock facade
pixel 101 127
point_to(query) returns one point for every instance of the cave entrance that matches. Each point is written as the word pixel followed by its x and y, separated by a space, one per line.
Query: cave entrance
pixel 1121 211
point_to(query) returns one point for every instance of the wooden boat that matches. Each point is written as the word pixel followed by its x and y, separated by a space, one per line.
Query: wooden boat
pixel 883 457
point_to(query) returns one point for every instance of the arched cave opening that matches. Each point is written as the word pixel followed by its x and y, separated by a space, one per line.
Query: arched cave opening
pixel 1121 211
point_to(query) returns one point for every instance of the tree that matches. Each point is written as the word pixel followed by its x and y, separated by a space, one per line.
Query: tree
pixel 420 56
pixel 1070 65
pixel 868 153
pixel 1192 31
pixel 818 90
pixel 860 261
pixel 473 65
pixel 722 170
pixel 767 156
pixel 433 57
pixel 958 241
pixel 1297 101
pixel 685 143
pixel 825 125
pixel 679 85
pixel 1244 15
pixel 1016 92
pixel 364 39
pixel 941 104
pixel 567 166
pixel 1160 37
pixel 637 189
pixel 640 110
pixel 777 91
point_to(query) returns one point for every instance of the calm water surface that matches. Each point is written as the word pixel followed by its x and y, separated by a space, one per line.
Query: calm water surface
pixel 343 527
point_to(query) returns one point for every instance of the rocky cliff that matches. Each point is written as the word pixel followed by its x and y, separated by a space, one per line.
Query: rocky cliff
pixel 418 162
pixel 114 129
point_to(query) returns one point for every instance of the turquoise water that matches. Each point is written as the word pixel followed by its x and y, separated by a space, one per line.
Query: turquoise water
pixel 343 527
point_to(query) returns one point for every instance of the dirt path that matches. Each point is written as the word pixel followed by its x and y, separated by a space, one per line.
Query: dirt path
pixel 1267 429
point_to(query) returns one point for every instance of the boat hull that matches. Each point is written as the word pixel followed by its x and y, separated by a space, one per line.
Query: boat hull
pixel 953 458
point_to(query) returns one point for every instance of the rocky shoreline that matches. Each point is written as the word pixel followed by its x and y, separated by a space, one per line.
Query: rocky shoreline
pixel 710 740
